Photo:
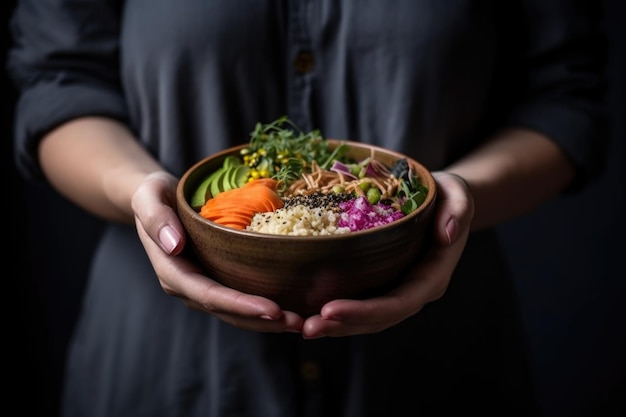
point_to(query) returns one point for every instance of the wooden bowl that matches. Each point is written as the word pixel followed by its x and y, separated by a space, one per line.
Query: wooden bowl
pixel 288 269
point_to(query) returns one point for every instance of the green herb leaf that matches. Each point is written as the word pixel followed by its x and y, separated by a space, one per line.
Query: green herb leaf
pixel 284 151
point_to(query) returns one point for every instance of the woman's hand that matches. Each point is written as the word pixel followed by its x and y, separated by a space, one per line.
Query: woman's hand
pixel 163 238
pixel 427 281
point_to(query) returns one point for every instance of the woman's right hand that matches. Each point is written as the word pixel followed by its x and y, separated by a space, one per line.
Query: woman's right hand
pixel 163 237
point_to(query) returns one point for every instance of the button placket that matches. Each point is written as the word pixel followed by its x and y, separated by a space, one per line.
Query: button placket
pixel 301 64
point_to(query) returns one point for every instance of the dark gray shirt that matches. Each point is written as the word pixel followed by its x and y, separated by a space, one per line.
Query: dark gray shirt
pixel 191 77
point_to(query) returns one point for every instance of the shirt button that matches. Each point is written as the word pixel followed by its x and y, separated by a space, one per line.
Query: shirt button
pixel 309 371
pixel 304 62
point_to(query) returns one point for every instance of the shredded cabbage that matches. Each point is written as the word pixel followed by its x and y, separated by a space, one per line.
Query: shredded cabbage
pixel 360 214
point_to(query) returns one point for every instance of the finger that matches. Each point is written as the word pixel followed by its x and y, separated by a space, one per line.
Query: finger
pixel 181 277
pixel 316 327
pixel 288 322
pixel 154 206
pixel 455 207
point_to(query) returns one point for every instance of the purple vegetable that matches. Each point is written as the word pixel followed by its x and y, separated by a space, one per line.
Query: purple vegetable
pixel 343 169
pixel 377 169
pixel 359 214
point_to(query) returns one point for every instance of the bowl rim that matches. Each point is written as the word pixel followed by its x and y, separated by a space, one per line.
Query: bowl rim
pixel 425 177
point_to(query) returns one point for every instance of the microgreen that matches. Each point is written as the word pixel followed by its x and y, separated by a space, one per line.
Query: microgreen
pixel 284 151
pixel 414 191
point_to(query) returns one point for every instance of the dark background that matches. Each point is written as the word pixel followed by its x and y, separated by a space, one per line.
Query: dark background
pixel 568 261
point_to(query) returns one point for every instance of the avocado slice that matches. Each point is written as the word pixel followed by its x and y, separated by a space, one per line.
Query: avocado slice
pixel 224 180
pixel 231 161
pixel 239 176
pixel 216 183
pixel 198 197
pixel 203 192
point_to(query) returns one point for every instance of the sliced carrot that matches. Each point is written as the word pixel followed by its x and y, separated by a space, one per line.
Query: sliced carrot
pixel 256 203
pixel 214 212
pixel 237 207
pixel 249 195
pixel 237 222
pixel 270 183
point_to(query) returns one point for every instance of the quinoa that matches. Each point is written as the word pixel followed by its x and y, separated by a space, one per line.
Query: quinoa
pixel 298 220
pixel 314 214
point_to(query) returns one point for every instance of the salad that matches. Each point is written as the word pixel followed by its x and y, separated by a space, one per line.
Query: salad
pixel 282 167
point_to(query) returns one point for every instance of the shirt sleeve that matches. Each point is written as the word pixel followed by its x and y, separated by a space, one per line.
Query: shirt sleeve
pixel 64 65
pixel 564 91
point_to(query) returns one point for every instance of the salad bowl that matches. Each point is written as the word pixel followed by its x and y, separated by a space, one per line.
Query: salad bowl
pixel 303 272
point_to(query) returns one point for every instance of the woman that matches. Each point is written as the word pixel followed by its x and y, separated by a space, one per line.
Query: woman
pixel 118 98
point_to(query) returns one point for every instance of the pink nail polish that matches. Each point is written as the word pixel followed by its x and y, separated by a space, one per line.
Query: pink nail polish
pixel 169 239
pixel 452 228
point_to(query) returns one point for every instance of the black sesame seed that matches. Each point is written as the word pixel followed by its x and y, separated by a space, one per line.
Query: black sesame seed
pixel 318 199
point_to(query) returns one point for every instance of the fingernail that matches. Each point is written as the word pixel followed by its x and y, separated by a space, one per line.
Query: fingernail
pixel 452 228
pixel 169 238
